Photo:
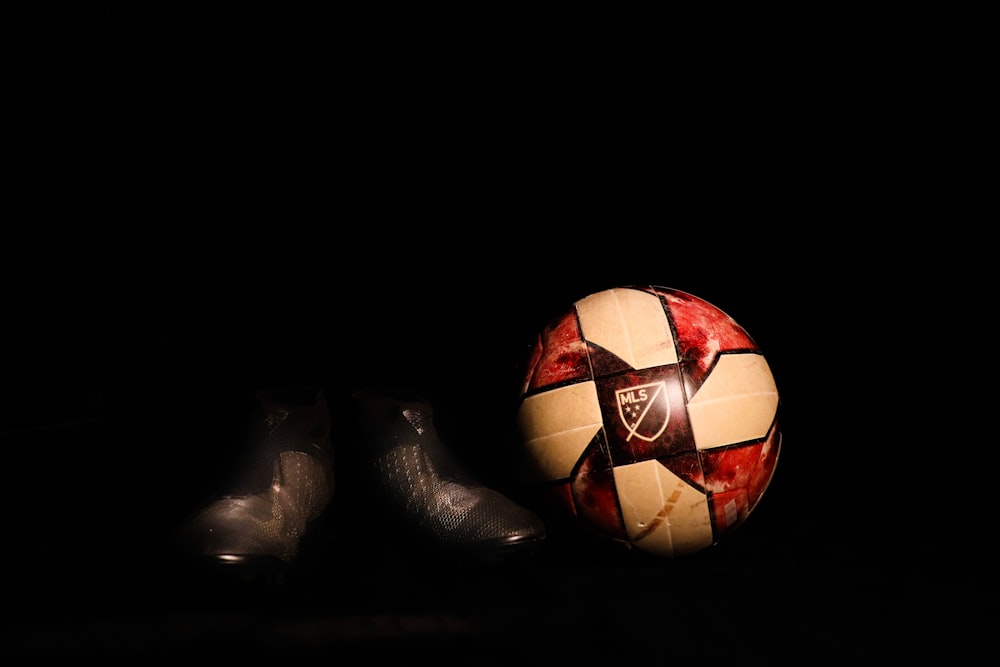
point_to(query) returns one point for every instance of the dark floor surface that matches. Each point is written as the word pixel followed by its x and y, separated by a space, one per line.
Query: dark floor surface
pixel 811 575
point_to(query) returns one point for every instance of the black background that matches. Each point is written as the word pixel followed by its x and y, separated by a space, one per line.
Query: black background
pixel 207 203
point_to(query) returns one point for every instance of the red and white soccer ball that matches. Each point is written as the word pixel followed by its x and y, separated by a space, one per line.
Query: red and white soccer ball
pixel 651 417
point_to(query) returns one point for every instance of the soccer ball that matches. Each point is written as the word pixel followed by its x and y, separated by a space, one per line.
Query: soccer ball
pixel 650 417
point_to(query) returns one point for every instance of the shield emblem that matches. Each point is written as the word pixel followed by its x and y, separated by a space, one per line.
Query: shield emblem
pixel 644 410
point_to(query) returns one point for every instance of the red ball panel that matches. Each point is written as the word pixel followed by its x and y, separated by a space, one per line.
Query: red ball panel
pixel 703 332
pixel 559 356
pixel 595 499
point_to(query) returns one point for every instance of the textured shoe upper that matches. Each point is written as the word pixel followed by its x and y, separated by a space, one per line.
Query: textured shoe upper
pixel 286 420
pixel 450 511
pixel 266 523
pixel 420 482
pixel 284 481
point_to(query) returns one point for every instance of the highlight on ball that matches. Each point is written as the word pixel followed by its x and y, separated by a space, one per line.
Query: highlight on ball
pixel 650 417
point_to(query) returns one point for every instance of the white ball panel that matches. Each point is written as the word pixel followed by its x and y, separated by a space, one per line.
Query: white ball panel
pixel 737 402
pixel 663 514
pixel 631 324
pixel 554 456
pixel 557 425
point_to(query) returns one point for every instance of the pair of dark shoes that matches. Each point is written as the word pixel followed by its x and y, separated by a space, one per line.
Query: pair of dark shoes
pixel 397 468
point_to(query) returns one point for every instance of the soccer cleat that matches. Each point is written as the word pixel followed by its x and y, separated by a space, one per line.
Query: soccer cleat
pixel 286 481
pixel 419 487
